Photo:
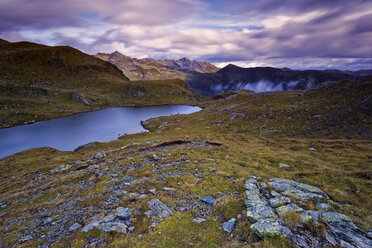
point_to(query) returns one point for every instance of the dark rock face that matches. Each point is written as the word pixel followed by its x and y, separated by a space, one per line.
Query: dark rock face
pixel 269 219
pixel 79 97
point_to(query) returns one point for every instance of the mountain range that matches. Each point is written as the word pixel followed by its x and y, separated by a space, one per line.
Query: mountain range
pixel 151 69
pixel 206 79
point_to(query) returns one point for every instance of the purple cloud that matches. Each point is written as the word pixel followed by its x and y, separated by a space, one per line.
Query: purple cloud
pixel 307 33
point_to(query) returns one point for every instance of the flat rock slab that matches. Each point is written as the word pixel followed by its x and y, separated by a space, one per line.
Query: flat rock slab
pixel 74 227
pixel 113 227
pixel 288 208
pixel 208 199
pixel 270 228
pixel 158 208
pixel 199 220
pixel 229 225
pixel 123 213
pixel 260 211
pixel 292 187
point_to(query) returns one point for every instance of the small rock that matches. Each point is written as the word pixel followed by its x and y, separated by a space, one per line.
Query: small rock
pixel 281 165
pixel 208 199
pixel 312 149
pixel 133 195
pixel 113 227
pixel 74 227
pixel 90 226
pixel 153 191
pixel 60 169
pixel 199 220
pixel 26 238
pixel 229 225
pixel 123 213
pixel 155 223
pixel 47 220
pixel 169 189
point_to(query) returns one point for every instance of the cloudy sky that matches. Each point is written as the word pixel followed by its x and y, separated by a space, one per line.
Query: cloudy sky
pixel 299 34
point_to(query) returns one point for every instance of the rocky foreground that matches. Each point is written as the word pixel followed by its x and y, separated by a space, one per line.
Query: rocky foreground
pixel 278 208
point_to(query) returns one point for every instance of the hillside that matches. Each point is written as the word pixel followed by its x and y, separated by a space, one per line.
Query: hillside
pixel 150 69
pixel 40 82
pixel 274 169
pixel 260 79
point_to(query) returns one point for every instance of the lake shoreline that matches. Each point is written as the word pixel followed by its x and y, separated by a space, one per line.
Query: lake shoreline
pixel 69 132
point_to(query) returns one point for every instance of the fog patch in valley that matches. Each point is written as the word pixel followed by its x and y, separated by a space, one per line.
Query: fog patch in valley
pixel 257 87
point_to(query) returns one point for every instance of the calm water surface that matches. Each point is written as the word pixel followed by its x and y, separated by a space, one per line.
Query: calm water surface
pixel 67 133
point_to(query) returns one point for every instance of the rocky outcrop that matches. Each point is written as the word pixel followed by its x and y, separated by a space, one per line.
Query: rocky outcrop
pixel 268 207
pixel 117 222
pixel 79 97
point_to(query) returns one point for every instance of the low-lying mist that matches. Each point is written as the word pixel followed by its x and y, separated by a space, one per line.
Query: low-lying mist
pixel 259 86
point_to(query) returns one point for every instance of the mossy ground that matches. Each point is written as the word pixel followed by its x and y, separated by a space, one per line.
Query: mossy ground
pixel 339 166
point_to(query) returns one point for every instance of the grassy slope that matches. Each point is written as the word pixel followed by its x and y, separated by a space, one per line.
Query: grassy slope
pixel 251 146
pixel 26 67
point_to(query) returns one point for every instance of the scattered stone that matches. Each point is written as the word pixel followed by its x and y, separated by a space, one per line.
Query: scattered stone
pixel 199 220
pixel 100 155
pixel 208 200
pixel 158 208
pixel 169 189
pixel 323 206
pixel 155 157
pixel 74 227
pixel 229 225
pixel 312 149
pixel 90 226
pixel 155 223
pixel 113 227
pixel 142 196
pixel 47 220
pixel 133 195
pixel 60 169
pixel 26 238
pixel 281 165
pixel 153 191
pixel 270 228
